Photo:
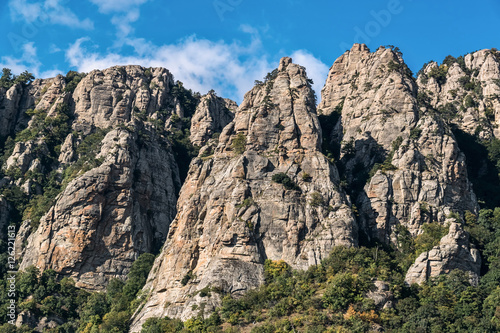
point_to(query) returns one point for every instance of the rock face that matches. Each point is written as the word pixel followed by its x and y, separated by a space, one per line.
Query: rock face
pixel 402 164
pixel 124 204
pixel 232 215
pixel 453 252
pixel 212 115
pixel 261 187
pixel 466 91
pixel 114 95
pixel 109 215
pixel 376 94
pixel 426 181
pixel 9 109
pixel 17 99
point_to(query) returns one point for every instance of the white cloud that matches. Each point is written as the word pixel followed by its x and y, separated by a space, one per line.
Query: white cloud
pixel 201 64
pixel 109 6
pixel 125 12
pixel 229 68
pixel 316 69
pixel 123 24
pixel 47 12
pixel 53 48
pixel 28 61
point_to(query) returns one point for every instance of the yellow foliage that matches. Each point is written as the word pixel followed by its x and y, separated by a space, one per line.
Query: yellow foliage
pixel 370 317
pixel 350 313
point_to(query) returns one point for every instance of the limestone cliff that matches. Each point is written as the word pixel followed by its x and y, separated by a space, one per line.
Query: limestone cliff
pixel 98 168
pixel 402 164
pixel 108 215
pixel 453 252
pixel 265 192
pixel 212 115
pixel 105 147
pixel 465 91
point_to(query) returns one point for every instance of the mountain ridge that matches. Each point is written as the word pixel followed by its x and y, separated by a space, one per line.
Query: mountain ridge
pixel 92 169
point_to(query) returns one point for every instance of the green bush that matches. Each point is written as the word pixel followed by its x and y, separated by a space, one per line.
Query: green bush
pixel 343 290
pixel 287 182
pixel 316 199
pixel 246 203
pixel 7 79
pixel 433 232
pixel 439 74
pixel 306 177
pixel 72 79
pixel 469 102
pixel 189 276
pixel 415 133
pixel 239 144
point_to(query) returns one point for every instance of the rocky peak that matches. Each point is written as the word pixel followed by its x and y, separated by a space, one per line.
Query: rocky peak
pixel 278 114
pixel 373 92
pixel 112 96
pixel 465 91
pixel 401 163
pixel 267 192
pixel 109 215
pixel 212 114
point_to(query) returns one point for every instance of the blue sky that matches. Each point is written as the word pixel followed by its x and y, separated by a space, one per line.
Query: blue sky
pixel 227 44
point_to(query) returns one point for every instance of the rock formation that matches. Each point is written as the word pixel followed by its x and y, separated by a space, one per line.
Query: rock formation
pixel 402 164
pixel 453 252
pixel 466 91
pixel 124 204
pixel 232 215
pixel 110 214
pixel 212 115
pixel 99 163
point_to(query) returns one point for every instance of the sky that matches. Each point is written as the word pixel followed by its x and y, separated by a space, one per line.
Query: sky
pixel 226 45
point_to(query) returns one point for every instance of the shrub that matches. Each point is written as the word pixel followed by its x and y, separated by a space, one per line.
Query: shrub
pixel 189 276
pixel 316 199
pixel 343 290
pixel 439 74
pixel 415 133
pixel 469 102
pixel 239 144
pixel 287 182
pixel 72 79
pixel 246 203
pixel 306 177
pixel 275 268
pixel 433 232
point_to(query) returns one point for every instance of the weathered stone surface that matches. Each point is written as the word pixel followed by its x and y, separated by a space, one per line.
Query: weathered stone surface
pixel 470 91
pixel 24 155
pixel 105 218
pixel 377 99
pixel 67 150
pixel 114 95
pixel 212 115
pixel 453 252
pixel 429 181
pixel 4 215
pixel 381 295
pixel 422 174
pixel 9 108
pixel 232 216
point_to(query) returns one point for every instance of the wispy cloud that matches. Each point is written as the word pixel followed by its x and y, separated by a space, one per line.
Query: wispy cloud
pixel 28 61
pixel 47 12
pixel 110 6
pixel 124 13
pixel 316 69
pixel 229 68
